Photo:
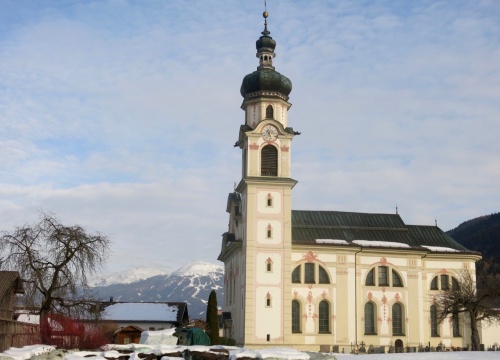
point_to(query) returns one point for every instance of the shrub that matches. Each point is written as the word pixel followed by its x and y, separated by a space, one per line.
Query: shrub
pixel 227 341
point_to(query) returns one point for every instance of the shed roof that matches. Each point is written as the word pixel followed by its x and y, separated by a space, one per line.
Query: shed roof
pixel 308 226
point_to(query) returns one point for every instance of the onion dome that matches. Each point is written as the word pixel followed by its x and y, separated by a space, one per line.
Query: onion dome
pixel 265 79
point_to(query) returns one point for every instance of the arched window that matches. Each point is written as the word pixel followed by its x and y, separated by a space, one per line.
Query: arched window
pixel 324 317
pixel 434 321
pixel 397 319
pixel 445 282
pixel 383 276
pixel 396 279
pixel 370 280
pixel 434 283
pixel 369 319
pixel 296 275
pixel 309 273
pixel 295 316
pixel 454 284
pixel 269 112
pixel 323 276
pixel 269 161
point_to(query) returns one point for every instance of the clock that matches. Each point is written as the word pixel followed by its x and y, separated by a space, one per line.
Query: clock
pixel 269 133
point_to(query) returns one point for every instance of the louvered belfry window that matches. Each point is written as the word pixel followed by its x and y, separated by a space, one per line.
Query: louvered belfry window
pixel 269 161
pixel 269 112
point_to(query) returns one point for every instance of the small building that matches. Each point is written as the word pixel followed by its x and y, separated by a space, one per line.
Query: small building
pixel 128 335
pixel 12 332
pixel 10 285
pixel 146 315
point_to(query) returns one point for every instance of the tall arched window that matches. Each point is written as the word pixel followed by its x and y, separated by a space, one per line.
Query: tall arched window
pixel 456 322
pixel 269 161
pixel 269 111
pixel 369 319
pixel 434 321
pixel 397 319
pixel 324 317
pixel 295 316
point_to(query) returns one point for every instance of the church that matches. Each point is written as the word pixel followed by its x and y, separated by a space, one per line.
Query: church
pixel 324 280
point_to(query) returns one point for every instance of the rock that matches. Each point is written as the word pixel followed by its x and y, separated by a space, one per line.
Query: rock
pixel 174 354
pixel 204 355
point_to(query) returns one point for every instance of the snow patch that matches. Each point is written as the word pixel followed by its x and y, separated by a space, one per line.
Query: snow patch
pixel 331 241
pixel 370 243
pixel 128 276
pixel 199 268
pixel 440 248
pixel 165 337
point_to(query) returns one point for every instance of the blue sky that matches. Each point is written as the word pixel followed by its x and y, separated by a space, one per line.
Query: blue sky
pixel 121 115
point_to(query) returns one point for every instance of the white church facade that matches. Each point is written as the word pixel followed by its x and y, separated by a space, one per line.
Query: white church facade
pixel 316 279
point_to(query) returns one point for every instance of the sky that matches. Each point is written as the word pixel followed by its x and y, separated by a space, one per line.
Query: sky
pixel 121 116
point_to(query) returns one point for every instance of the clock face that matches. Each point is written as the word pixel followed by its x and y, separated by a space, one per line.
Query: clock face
pixel 269 133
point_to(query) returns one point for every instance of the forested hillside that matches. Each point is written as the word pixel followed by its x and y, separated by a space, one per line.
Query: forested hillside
pixel 482 234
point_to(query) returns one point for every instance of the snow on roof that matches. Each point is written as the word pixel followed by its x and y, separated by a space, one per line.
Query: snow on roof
pixel 371 243
pixel 440 248
pixel 29 318
pixel 141 312
pixel 331 241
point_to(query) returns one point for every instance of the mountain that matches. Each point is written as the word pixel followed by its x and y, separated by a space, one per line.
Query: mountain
pixel 127 276
pixel 191 283
pixel 481 234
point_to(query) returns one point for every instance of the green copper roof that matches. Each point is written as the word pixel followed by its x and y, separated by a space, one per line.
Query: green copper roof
pixel 308 226
pixel 266 80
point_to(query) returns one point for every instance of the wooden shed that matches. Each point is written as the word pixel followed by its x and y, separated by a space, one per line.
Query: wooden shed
pixel 130 334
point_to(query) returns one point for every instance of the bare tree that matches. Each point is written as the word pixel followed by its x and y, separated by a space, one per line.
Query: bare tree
pixel 54 261
pixel 477 300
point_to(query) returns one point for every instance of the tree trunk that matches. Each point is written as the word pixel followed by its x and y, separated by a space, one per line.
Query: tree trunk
pixel 476 341
pixel 45 327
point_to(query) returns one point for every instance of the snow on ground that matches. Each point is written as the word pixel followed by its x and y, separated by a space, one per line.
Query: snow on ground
pixel 26 352
pixel 455 355
pixel 111 351
pixel 159 337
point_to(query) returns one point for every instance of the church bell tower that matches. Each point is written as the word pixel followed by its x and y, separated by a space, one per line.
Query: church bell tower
pixel 256 250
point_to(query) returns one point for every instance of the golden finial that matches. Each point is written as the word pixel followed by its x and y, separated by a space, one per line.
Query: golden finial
pixel 265 14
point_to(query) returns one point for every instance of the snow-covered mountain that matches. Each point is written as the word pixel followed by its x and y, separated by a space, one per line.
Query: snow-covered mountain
pixel 128 276
pixel 191 283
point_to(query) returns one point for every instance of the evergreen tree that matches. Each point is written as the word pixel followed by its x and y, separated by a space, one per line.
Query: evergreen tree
pixel 212 322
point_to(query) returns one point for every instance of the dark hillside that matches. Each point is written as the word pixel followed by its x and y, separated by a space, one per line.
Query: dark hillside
pixel 481 234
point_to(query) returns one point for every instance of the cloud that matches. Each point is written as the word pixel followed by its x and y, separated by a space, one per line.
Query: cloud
pixel 122 116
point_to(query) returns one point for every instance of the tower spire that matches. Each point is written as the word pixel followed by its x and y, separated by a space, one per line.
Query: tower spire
pixel 265 14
